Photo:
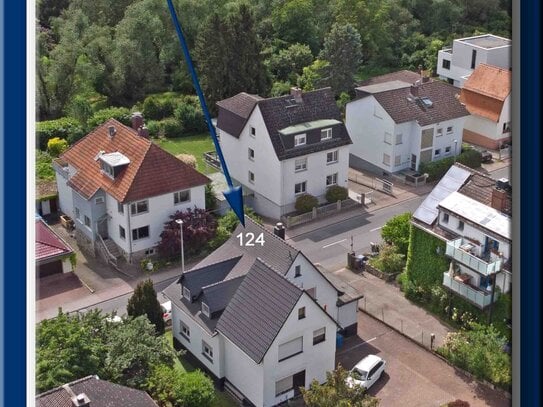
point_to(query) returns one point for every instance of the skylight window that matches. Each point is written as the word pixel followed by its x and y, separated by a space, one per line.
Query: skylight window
pixel 427 102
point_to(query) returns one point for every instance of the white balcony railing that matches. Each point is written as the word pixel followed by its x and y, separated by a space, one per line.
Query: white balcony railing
pixel 454 250
pixel 481 299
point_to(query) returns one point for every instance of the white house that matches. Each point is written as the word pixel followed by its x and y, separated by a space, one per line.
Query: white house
pixel 455 64
pixel 280 148
pixel 487 96
pixel 120 188
pixel 397 125
pixel 471 212
pixel 263 320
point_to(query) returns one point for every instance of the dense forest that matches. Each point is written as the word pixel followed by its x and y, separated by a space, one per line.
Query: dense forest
pixel 102 53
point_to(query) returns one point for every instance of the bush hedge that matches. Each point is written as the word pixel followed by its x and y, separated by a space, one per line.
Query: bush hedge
pixel 158 108
pixel 171 128
pixel 121 114
pixel 306 203
pixel 389 260
pixel 66 128
pixel 436 169
pixel 191 116
pixel 336 193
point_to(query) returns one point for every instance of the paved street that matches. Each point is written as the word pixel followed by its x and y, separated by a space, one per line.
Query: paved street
pixel 329 245
pixel 413 376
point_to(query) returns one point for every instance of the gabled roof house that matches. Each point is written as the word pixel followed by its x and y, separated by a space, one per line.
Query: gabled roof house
pixel 280 148
pixel 120 188
pixel 396 124
pixel 471 212
pixel 52 252
pixel 262 320
pixel 487 96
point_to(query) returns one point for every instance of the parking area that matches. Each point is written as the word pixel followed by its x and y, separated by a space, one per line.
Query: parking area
pixel 413 376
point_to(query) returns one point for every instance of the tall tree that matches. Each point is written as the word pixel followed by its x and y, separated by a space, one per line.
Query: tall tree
pixel 343 50
pixel 294 22
pixel 288 63
pixel 144 302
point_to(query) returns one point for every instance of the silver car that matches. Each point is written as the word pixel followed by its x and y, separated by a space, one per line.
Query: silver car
pixel 367 371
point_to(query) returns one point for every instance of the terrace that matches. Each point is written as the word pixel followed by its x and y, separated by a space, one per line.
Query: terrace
pixel 466 253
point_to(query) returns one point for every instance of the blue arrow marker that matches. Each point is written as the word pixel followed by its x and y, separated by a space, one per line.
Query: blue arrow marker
pixel 234 195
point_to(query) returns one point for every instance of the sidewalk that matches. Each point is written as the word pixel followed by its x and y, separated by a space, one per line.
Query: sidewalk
pixel 387 303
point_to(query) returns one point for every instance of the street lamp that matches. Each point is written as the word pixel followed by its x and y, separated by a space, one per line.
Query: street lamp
pixel 180 223
pixel 455 145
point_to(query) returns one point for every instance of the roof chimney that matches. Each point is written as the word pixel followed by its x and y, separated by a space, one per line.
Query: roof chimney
pixel 425 79
pixel 81 400
pixel 297 94
pixel 414 91
pixel 137 120
pixel 111 130
pixel 499 198
pixel 143 131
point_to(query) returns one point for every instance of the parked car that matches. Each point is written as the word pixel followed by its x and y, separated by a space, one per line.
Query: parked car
pixel 486 156
pixel 367 371
pixel 167 312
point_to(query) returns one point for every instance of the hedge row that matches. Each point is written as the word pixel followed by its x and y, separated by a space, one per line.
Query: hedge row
pixel 437 169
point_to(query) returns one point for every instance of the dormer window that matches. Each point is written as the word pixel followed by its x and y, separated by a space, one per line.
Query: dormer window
pixel 186 293
pixel 299 140
pixel 205 309
pixel 111 164
pixel 326 134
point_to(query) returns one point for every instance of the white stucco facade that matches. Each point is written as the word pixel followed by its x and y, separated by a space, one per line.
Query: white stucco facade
pixel 271 189
pixel 466 53
pixel 490 133
pixel 391 147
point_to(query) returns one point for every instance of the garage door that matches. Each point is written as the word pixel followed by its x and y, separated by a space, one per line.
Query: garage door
pixel 55 267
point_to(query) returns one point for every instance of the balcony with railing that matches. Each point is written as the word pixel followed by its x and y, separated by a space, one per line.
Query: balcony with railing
pixel 480 298
pixel 464 253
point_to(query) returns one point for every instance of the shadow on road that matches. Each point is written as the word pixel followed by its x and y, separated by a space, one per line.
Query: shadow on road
pixel 326 232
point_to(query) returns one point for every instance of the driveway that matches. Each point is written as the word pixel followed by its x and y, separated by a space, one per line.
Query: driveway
pixel 414 377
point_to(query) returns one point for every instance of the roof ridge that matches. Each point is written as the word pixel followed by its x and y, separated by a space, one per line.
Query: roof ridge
pixel 57 236
pixel 61 387
pixel 272 234
pixel 288 94
pixel 226 280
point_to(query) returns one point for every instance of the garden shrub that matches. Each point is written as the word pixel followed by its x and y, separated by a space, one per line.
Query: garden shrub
pixel 305 203
pixel 171 127
pixel 66 128
pixel 56 146
pixel 425 266
pixel 44 166
pixel 479 350
pixel 155 108
pixel 396 231
pixel 154 128
pixel 188 159
pixel 389 260
pixel 192 117
pixel 121 114
pixel 437 169
pixel 471 158
pixel 336 193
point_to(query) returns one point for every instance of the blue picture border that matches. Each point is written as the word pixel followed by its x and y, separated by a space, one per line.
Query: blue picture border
pixel 14 205
pixel 529 250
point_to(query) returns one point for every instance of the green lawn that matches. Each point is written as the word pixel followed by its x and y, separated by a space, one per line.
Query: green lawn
pixel 181 365
pixel 195 145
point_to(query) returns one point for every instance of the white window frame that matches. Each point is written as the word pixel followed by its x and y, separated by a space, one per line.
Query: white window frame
pixel 301 313
pixel 461 225
pixel 450 129
pixel 386 159
pixel 122 231
pixel 332 157
pixel 319 335
pixel 437 152
pixel 251 154
pixel 99 200
pixel 177 197
pixel 290 348
pixel 398 160
pixel 207 351
pixel 399 138
pixel 120 207
pixel 445 218
pixel 326 134
pixel 252 131
pixel 331 180
pixel 300 164
pixel 300 140
pixel 87 221
pixel 297 271
pixel 205 309
pixel 388 138
pixel 284 385
pixel 137 230
pixel 251 176
pixel 186 294
pixel 107 169
pixel 447 150
pixel 439 132
pixel 184 330
pixel 302 190
pixel 135 210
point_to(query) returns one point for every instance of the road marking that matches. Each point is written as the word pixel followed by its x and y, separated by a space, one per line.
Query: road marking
pixel 331 244
pixel 373 230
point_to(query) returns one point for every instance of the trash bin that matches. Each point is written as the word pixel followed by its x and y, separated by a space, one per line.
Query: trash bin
pixel 360 262
pixel 339 340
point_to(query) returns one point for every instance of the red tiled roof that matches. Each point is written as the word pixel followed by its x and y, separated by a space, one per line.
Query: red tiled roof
pixel 486 90
pixel 151 172
pixel 48 244
pixel 403 76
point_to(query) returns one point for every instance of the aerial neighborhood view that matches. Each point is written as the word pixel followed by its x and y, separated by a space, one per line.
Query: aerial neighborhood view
pixel 288 202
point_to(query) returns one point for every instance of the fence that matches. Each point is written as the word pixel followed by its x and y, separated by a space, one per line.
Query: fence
pixel 318 212
pixel 423 336
pixel 212 159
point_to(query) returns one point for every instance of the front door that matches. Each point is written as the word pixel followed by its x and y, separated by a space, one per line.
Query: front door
pixel 413 162
pixel 102 228
pixel 298 380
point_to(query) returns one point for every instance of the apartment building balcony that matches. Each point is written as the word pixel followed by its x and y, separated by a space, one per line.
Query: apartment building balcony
pixel 465 253
pixel 460 285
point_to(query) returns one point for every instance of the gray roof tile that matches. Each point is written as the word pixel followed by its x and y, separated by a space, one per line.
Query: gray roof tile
pixel 199 277
pixel 217 296
pixel 258 310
